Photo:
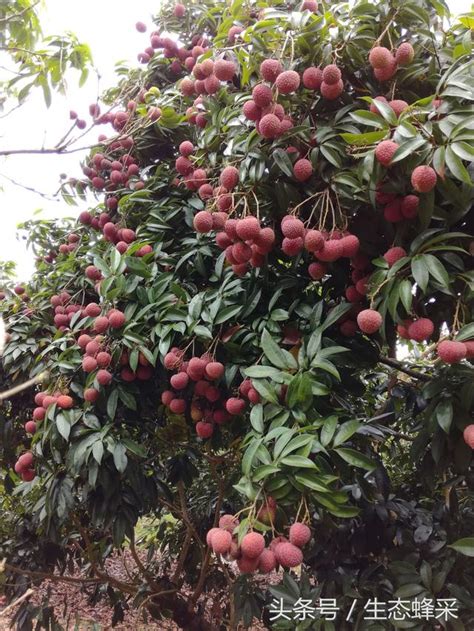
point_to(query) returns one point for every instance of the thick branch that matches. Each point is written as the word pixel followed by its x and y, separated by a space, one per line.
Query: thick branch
pixel 393 363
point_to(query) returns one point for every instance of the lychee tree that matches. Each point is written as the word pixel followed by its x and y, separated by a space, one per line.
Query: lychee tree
pixel 263 328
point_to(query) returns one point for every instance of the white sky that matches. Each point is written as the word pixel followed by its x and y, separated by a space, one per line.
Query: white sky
pixel 108 27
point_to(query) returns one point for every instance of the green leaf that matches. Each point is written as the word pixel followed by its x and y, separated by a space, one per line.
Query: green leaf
pixel 407 148
pixel 328 429
pixel 264 471
pixel 283 161
pixel 464 546
pixel 437 270
pixel 63 425
pixel 120 457
pixel 364 140
pixel 463 150
pixel 299 393
pixel 405 290
pixel 265 390
pixel 276 355
pixel 112 403
pixel 249 455
pixel 227 313
pixel 420 271
pixel 298 461
pixel 259 372
pixel 256 418
pixel 346 430
pixel 466 333
pixel 312 481
pixel 386 111
pixel 457 168
pixel 355 458
pixel 444 414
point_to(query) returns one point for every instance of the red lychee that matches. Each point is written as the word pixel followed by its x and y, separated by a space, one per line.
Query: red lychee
pixel 179 381
pixel 317 271
pixel 385 150
pixel 210 534
pixel 262 95
pixel 248 228
pixel 166 397
pixel 331 74
pixel 203 221
pixel 267 561
pixel 404 54
pixel 233 32
pixel 302 170
pixel 287 82
pixel 292 227
pixel 224 70
pixel 141 27
pixel 393 255
pixel 177 406
pixel 269 126
pixel 332 91
pixel 398 106
pixel 373 108
pixel 369 321
pixel 423 179
pixel 331 251
pixel 300 534
pixel 251 111
pixel 186 148
pixel 313 240
pixel 392 211
pixel 205 430
pixel 468 436
pixel 252 545
pixel 292 247
pixel 116 318
pixel 229 178
pixel 384 74
pixel 310 5
pixel 353 295
pixel 103 359
pixel 91 395
pixel 65 402
pixel 228 522
pixel 104 377
pixel 421 329
pixel 451 352
pixel 196 367
pixel 30 427
pixel 221 540
pixel 350 245
pixel 380 57
pixel 214 370
pixel 265 240
pixel 270 69
pixel 288 555
pixel 409 206
pixel 39 413
pixel 348 328
pixel 235 406
pixel 312 78
pixel 247 565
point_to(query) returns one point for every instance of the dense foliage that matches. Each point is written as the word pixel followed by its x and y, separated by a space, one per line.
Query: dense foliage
pixel 267 314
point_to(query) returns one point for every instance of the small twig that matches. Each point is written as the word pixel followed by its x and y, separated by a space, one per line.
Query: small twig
pixel 26 595
pixel 24 386
pixel 393 363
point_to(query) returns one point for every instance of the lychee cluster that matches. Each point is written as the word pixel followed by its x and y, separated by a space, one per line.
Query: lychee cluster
pixel 117 169
pixel 64 310
pixel 208 76
pixel 43 401
pixel 244 241
pixel 385 63
pixel 418 330
pixel 397 105
pixel 328 81
pixel 252 555
pixel 195 389
pixel 397 208
pixel 24 466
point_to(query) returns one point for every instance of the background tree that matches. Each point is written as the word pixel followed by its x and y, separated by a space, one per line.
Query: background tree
pixel 265 322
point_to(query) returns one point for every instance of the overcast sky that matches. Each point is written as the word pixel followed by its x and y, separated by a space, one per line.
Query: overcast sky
pixel 108 27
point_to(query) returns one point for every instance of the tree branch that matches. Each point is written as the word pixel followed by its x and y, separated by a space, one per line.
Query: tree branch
pixel 393 363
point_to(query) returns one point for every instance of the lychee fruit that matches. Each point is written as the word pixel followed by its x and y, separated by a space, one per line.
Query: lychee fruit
pixel 270 69
pixel 421 329
pixel 101 324
pixel 210 534
pixel 384 74
pixel 228 522
pixel 251 111
pixel 186 148
pixel 30 427
pixel 224 70
pixel 221 541
pixel 203 221
pixel 235 406
pixel 398 106
pixel 331 251
pixel 392 211
pixel 313 240
pixel 89 364
pixel 179 381
pixel 116 318
pixel 292 227
pixel 310 5
pixel 247 565
pixel 312 78
pixel 380 57
pixel 91 395
pixel 350 245
pixel 248 228
pixel 288 82
pixel 252 545
pixel 39 413
pixel 302 170
pixel 262 95
pixel 369 321
pixel 204 430
pixel 317 271
pixel 331 74
pixel 423 179
pixel 332 91
pixel 267 561
pixel 300 534
pixel 214 370
pixel 288 555
pixel 409 206
pixel 269 126
pixel 468 435
pixel 65 402
pixel 385 150
pixel 373 107
pixel 393 255
pixel 177 406
pixel 104 377
pixel 265 240
pixel 292 247
pixel 451 352
pixel 404 54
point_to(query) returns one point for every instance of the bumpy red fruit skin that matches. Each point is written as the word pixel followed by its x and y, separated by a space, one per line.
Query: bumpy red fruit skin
pixel 409 206
pixel 229 177
pixel 91 395
pixel 385 150
pixel 350 245
pixel 331 74
pixel 292 228
pixel 310 5
pixel 353 295
pixel 104 377
pixel 204 430
pixel 384 74
pixel 262 95
pixel 228 522
pixel 288 555
pixel 292 247
pixel 177 406
pixel 224 70
pixel 214 370
pixel 348 328
pixel 451 352
pixel 252 545
pixel 302 170
pixel 269 126
pixel 288 82
pixel 179 381
pixel 392 211
pixel 313 240
pixel 235 406
pixel 247 565
pixel 421 329
pixel 312 78
pixel 398 106
pixel 380 57
pixel 248 228
pixel 186 148
pixel 39 413
pixel 468 436
pixel 423 179
pixel 210 534
pixel 332 91
pixel 300 534
pixel 203 222
pixel 89 364
pixel 65 402
pixel 267 561
pixel 251 111
pixel 221 541
pixel 393 255
pixel 317 271
pixel 369 321
pixel 404 54
pixel 331 251
pixel 101 324
pixel 270 69
pixel 116 318
pixel 30 427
